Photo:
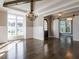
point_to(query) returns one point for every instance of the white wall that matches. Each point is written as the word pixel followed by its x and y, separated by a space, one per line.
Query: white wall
pixel 29 28
pixel 55 28
pixel 38 31
pixel 3 26
pixel 76 28
pixel 24 27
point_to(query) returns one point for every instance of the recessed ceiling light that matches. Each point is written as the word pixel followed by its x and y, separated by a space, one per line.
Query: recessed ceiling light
pixel 2 54
pixel 70 18
pixel 59 14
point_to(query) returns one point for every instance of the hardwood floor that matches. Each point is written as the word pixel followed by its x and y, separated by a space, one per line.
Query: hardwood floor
pixel 37 49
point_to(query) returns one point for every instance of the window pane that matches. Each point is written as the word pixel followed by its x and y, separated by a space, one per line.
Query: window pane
pixel 20 17
pixel 62 27
pixel 19 25
pixel 11 16
pixel 11 25
pixel 68 26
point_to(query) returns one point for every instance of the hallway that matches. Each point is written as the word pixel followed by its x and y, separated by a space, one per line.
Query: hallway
pixel 37 49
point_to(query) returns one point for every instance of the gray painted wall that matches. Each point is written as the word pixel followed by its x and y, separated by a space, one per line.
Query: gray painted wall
pixel 3 26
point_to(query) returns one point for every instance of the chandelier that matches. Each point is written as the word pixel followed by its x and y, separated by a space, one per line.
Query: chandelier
pixel 31 16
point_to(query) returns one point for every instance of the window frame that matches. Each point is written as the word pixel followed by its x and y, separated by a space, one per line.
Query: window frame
pixel 16 20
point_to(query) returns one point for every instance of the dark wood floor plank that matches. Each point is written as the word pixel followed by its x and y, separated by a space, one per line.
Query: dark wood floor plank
pixel 37 49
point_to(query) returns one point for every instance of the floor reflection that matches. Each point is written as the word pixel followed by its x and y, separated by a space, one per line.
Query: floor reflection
pixel 69 54
pixel 16 50
pixel 36 49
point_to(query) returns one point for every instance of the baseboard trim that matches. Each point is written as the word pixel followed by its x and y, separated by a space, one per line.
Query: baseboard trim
pixel 29 38
pixel 52 37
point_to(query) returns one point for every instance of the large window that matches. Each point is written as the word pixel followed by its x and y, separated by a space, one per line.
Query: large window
pixel 15 25
pixel 65 25
pixel 62 26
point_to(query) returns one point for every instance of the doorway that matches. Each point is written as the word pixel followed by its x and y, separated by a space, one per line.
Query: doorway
pixel 45 29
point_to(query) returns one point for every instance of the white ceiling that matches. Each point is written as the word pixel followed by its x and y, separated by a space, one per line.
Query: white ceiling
pixel 48 6
pixel 38 5
pixel 9 0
